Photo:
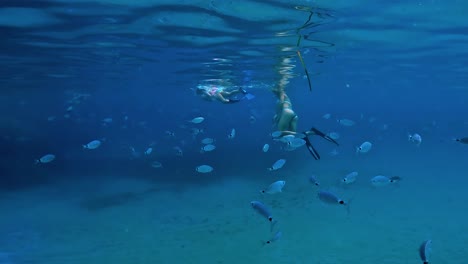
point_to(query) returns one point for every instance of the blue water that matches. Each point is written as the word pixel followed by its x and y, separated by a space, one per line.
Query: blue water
pixel 394 68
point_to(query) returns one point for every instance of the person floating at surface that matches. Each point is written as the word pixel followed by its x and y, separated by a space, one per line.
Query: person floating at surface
pixel 285 118
pixel 220 93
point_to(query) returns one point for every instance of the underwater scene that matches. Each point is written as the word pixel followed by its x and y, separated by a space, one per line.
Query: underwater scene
pixel 227 132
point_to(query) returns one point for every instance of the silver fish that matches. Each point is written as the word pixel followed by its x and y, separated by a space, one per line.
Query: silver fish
pixel 232 134
pixel 380 180
pixel 346 122
pixel 350 178
pixel 92 145
pixel 425 251
pixel 313 180
pixel 207 141
pixel 277 165
pixel 462 140
pixel 197 120
pixel 330 198
pixel 204 169
pixel 275 187
pixel 364 147
pixel 207 148
pixel 45 159
pixel 276 237
pixel 262 209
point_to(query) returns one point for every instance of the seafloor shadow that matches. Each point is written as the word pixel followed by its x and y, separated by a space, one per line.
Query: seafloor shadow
pixel 112 200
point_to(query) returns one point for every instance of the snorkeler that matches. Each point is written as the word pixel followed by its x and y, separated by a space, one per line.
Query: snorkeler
pixel 220 93
pixel 285 117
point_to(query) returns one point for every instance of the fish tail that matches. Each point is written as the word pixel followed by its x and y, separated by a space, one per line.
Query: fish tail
pixel 272 225
pixel 348 207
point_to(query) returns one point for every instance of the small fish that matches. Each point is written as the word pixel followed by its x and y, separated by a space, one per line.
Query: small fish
pixel 265 148
pixel 395 179
pixel 287 138
pixel 207 148
pixel 107 121
pixel 350 178
pixel 364 147
pixel 156 164
pixel 178 151
pixel 330 198
pixel 197 120
pixel 134 154
pixel 276 237
pixel 277 165
pixel 92 145
pixel 170 133
pixel 276 134
pixel 196 131
pixel 207 141
pixel 232 134
pixel 333 135
pixel 45 159
pixel 384 127
pixel 380 180
pixel 262 209
pixel 204 169
pixel 326 116
pixel 275 187
pixel 425 251
pixel 415 138
pixel 334 152
pixel 462 140
pixel 148 151
pixel 313 180
pixel 346 122
pixel 296 143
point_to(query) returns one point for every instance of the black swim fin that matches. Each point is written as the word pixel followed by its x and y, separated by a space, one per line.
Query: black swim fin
pixel 323 135
pixel 311 148
pixel 233 100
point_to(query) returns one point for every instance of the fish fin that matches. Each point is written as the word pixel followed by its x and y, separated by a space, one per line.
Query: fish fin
pixel 348 207
pixel 273 224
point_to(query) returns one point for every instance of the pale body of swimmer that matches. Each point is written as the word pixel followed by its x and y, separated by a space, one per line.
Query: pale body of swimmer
pixel 285 118
pixel 219 93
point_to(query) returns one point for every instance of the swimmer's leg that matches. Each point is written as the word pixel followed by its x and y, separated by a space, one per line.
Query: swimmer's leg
pixel 293 125
pixel 286 117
